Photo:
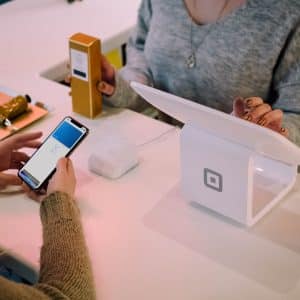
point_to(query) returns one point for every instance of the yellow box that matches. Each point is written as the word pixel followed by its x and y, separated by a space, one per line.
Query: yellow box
pixel 85 59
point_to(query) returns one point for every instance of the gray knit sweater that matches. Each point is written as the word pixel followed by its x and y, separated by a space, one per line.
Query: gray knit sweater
pixel 253 51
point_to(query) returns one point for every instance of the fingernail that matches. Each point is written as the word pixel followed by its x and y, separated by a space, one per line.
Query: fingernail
pixel 102 85
pixel 249 102
pixel 247 117
pixel 262 122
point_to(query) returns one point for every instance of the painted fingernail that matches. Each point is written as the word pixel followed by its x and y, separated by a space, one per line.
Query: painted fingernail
pixel 262 122
pixel 247 117
pixel 249 102
pixel 101 85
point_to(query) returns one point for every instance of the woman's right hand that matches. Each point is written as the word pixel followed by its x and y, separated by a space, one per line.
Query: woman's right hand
pixel 255 110
pixel 107 83
pixel 64 179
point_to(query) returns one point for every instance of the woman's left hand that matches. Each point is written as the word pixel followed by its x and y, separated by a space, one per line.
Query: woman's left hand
pixel 8 180
pixel 254 109
pixel 10 156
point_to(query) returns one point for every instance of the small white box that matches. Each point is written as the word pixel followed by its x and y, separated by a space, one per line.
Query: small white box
pixel 112 156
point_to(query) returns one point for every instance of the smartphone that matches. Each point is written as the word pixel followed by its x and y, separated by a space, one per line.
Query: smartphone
pixel 60 143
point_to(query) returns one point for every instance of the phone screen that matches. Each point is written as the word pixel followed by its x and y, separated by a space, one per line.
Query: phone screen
pixel 59 144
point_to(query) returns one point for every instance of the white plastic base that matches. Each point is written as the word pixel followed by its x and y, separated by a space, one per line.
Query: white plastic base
pixel 230 178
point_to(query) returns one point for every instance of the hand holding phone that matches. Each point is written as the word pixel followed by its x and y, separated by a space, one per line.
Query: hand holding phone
pixel 60 143
pixel 64 179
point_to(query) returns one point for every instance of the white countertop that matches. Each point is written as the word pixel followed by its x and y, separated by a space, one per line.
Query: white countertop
pixel 145 241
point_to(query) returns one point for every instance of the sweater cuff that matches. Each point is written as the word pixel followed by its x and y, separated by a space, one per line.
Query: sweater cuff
pixel 58 206
pixel 117 99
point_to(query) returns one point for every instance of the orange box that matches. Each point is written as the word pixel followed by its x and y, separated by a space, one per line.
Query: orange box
pixel 85 59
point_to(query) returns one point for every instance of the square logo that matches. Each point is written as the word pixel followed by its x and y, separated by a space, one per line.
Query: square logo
pixel 213 180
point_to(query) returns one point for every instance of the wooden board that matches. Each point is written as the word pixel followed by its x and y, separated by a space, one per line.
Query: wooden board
pixel 33 114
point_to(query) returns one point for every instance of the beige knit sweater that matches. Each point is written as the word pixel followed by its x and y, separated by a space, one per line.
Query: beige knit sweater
pixel 65 271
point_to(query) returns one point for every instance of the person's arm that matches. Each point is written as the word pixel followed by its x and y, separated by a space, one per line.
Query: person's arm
pixel 287 85
pixel 65 264
pixel 65 271
pixel 65 268
pixel 136 68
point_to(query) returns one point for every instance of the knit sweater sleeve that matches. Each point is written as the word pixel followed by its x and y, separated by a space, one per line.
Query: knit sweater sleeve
pixel 65 271
pixel 136 68
pixel 287 85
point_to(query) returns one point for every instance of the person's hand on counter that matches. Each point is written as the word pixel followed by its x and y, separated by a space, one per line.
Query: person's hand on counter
pixel 255 110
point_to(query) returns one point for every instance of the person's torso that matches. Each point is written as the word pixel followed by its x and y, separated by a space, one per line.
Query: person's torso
pixel 235 56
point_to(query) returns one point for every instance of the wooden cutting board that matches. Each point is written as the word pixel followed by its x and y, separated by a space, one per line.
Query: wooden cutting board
pixel 33 114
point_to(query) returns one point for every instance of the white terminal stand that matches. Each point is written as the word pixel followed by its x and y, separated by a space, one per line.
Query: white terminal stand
pixel 236 168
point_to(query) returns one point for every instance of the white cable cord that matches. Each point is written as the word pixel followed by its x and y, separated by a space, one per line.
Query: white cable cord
pixel 158 137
